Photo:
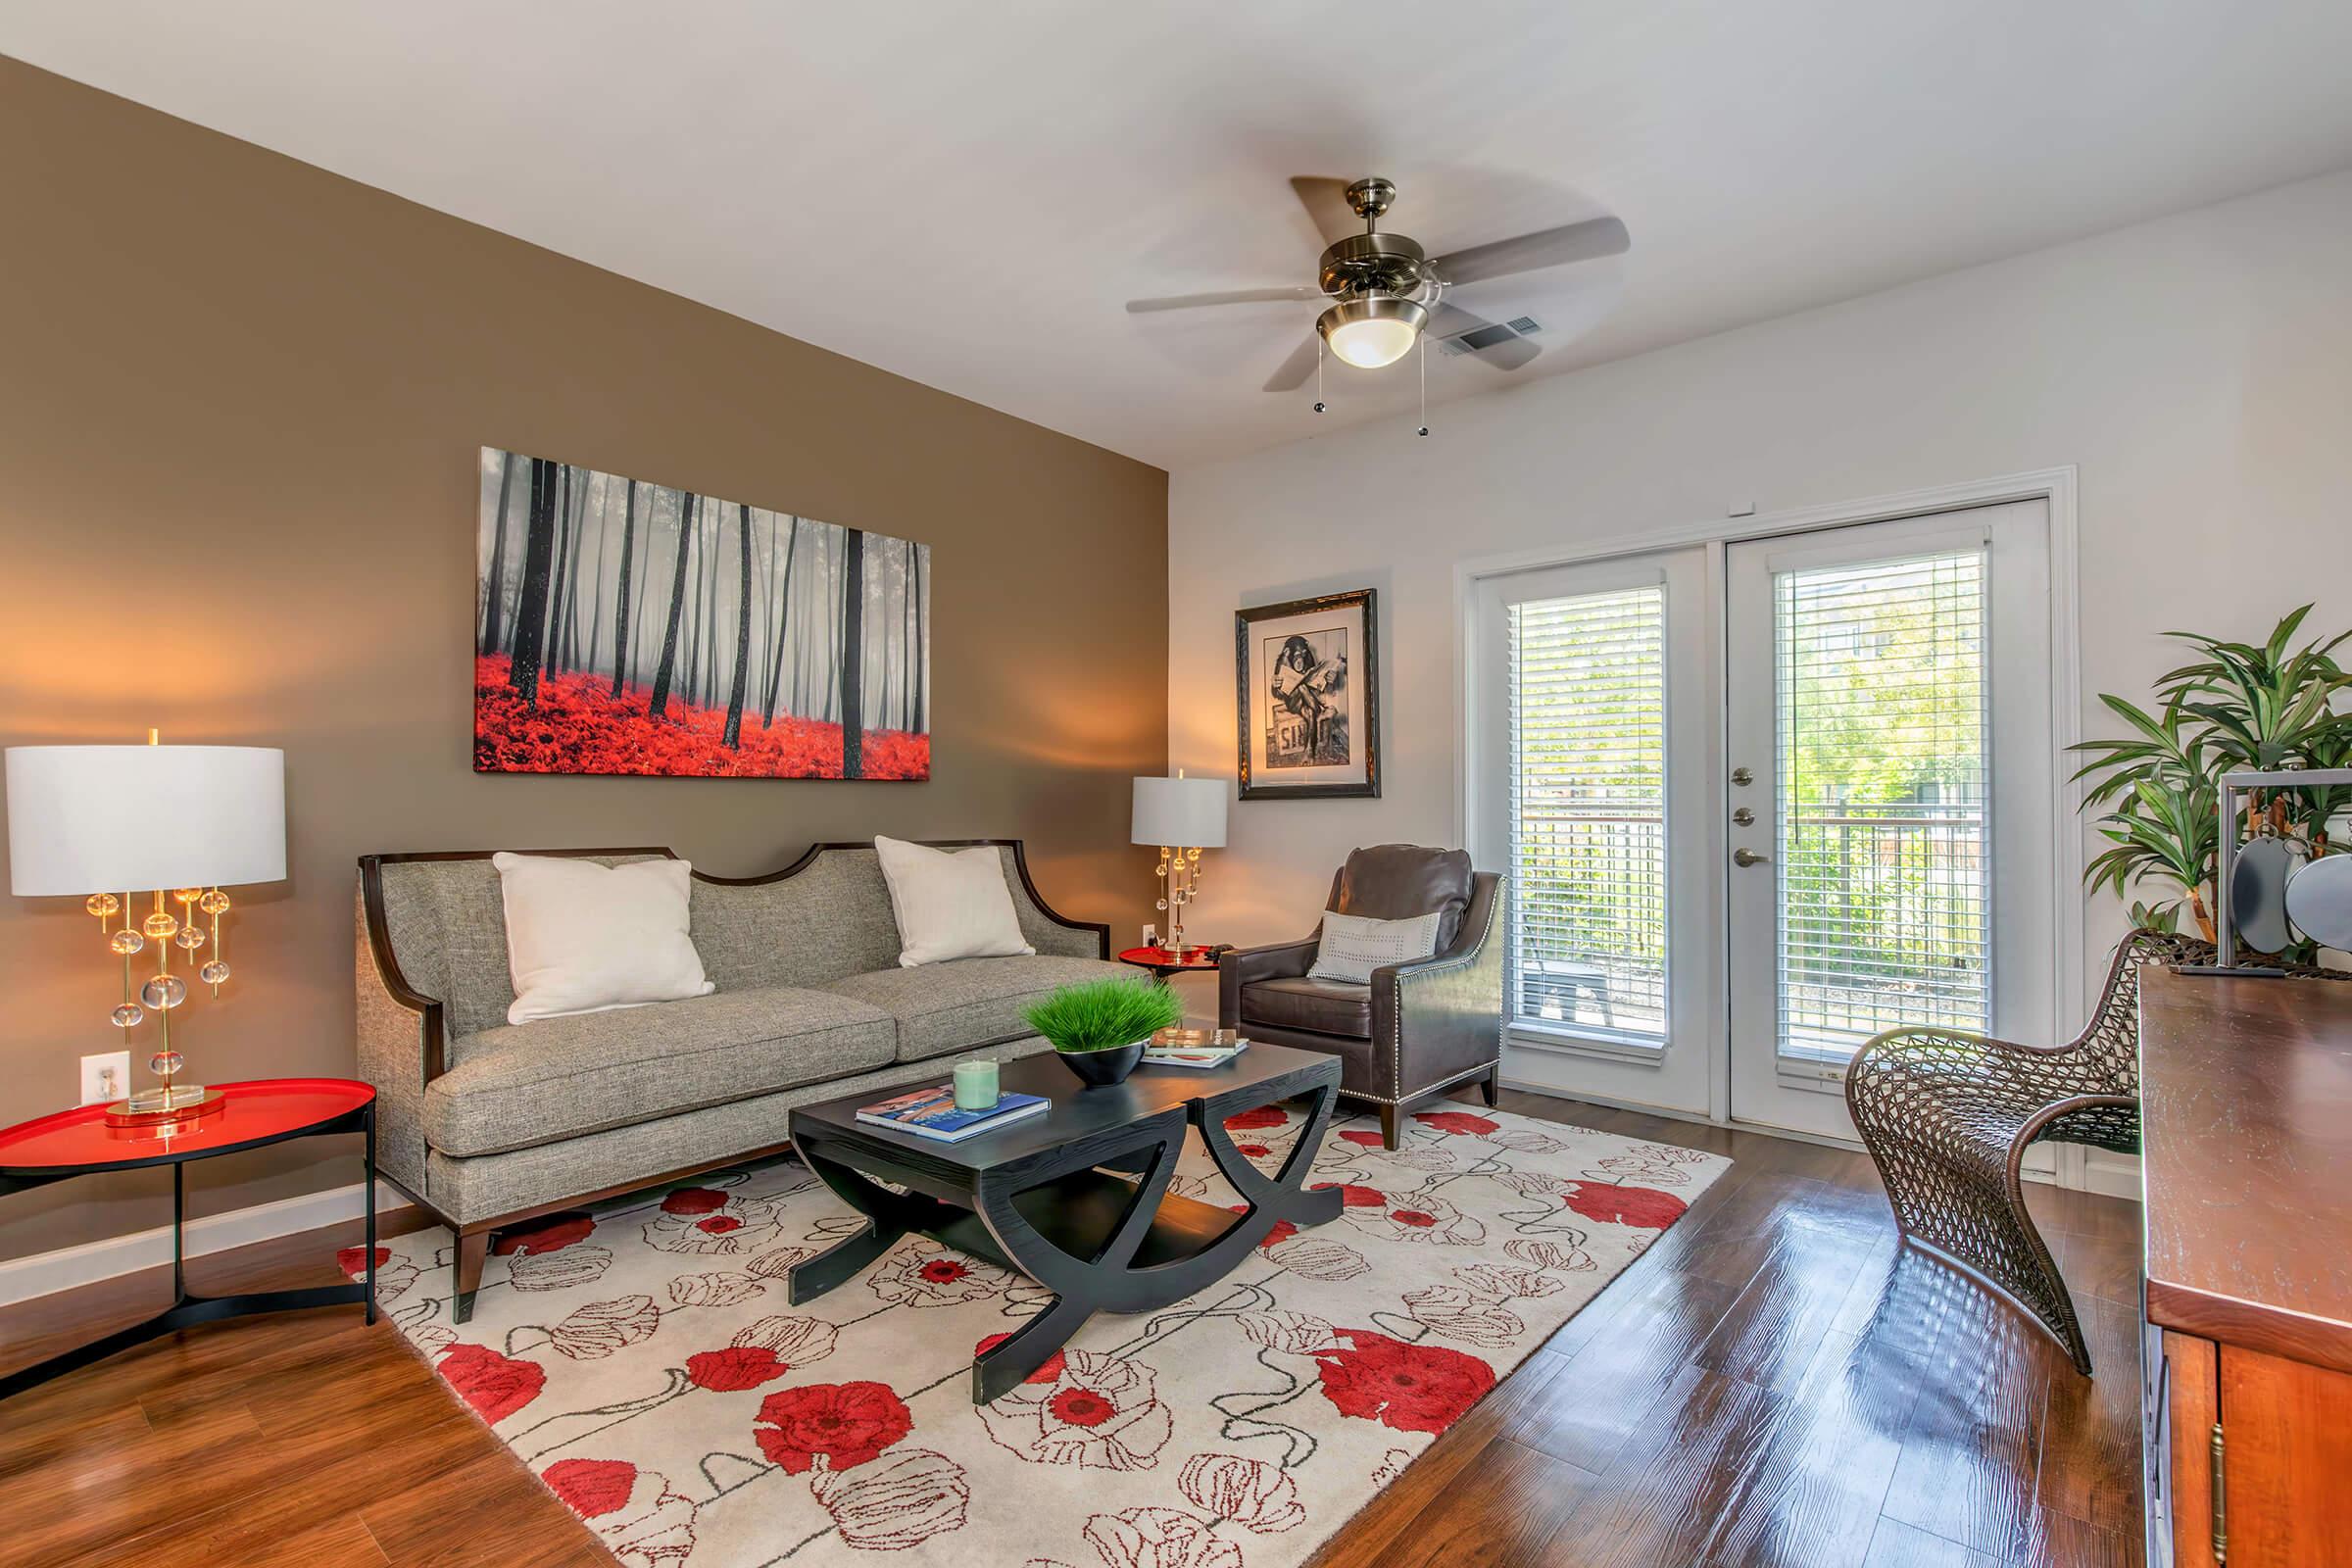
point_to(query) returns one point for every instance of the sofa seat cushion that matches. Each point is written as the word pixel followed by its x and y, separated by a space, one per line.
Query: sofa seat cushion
pixel 1321 1007
pixel 527 1083
pixel 942 1008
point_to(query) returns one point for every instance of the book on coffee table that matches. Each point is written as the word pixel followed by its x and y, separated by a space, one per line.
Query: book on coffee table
pixel 1193 1048
pixel 932 1113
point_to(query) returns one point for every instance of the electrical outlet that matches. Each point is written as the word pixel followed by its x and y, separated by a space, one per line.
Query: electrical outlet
pixel 104 1076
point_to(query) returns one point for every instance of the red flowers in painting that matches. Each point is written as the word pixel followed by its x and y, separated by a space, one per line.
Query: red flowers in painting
pixel 550 1235
pixel 1251 1121
pixel 719 1224
pixel 735 1368
pixel 1049 1372
pixel 1457 1121
pixel 1611 1204
pixel 943 1271
pixel 496 1386
pixel 581 728
pixel 1410 1388
pixel 1361 1138
pixel 847 1423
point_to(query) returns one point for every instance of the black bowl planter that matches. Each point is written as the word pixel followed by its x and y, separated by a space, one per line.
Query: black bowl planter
pixel 1098 1069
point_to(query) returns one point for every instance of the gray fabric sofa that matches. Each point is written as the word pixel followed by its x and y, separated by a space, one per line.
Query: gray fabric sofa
pixel 487 1126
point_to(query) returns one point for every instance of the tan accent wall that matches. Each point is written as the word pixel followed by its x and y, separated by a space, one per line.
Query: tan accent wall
pixel 240 406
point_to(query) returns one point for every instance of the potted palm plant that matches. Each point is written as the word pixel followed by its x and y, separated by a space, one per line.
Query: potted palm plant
pixel 2235 705
pixel 1100 1027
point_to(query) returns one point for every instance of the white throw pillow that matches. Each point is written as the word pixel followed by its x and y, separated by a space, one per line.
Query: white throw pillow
pixel 949 904
pixel 587 938
pixel 1355 944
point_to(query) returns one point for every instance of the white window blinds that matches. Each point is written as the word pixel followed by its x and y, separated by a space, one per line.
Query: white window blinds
pixel 1882 693
pixel 1588 783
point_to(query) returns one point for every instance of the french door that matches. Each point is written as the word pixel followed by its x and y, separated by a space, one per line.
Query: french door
pixel 1888 708
pixel 1761 801
pixel 1595 794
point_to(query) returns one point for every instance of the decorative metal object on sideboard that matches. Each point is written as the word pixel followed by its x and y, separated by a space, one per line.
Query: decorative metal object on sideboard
pixel 2270 894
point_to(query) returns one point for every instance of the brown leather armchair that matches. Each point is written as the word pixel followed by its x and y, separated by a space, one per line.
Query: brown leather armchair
pixel 1420 1028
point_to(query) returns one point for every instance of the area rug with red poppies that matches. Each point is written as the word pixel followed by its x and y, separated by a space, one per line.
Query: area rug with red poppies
pixel 642 1359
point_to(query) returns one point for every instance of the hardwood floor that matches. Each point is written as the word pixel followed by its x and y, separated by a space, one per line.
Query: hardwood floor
pixel 1771 1384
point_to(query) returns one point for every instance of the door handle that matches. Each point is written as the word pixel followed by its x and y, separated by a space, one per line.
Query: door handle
pixel 1748 858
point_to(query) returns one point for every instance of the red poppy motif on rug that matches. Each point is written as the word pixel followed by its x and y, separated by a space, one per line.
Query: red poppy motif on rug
pixel 642 1357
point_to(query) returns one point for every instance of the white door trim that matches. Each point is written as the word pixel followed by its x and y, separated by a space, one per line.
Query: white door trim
pixel 2056 487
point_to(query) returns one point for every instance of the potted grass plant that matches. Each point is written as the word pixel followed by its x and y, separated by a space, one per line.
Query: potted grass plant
pixel 1100 1027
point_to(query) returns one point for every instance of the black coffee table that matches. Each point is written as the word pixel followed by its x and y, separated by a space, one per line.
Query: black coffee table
pixel 1077 1198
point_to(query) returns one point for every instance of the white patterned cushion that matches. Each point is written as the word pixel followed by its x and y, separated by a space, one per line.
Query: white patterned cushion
pixel 1355 944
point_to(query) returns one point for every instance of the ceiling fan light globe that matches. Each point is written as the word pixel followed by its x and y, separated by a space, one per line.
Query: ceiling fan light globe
pixel 1369 333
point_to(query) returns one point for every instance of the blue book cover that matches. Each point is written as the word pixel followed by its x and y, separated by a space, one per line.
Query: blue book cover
pixel 932 1113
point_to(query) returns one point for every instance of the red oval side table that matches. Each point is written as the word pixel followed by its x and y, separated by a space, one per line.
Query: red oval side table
pixel 268 1110
pixel 1166 961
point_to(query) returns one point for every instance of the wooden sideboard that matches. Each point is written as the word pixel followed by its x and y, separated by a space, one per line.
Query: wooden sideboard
pixel 2247 1397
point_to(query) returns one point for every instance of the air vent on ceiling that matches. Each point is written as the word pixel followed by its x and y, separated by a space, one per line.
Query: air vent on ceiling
pixel 1490 335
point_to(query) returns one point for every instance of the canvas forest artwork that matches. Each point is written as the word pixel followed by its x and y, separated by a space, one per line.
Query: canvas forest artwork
pixel 624 628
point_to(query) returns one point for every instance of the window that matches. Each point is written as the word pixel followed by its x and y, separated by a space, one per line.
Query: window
pixel 1587 813
pixel 1883 695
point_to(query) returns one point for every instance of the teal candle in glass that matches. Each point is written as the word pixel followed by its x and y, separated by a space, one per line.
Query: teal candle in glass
pixel 975 1085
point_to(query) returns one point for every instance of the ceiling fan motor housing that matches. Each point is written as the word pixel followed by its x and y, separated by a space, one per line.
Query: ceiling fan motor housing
pixel 1378 264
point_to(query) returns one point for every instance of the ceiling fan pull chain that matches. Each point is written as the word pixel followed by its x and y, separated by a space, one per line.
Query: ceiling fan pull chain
pixel 1320 405
pixel 1421 365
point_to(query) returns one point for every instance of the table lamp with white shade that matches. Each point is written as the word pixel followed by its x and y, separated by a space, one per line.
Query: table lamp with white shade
pixel 1182 816
pixel 110 824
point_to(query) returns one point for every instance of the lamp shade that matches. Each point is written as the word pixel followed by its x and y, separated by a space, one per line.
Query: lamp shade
pixel 1185 813
pixel 85 819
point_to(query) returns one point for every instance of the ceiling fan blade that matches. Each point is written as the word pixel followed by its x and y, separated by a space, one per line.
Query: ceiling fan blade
pixel 1231 296
pixel 1545 247
pixel 1509 353
pixel 1326 202
pixel 1294 369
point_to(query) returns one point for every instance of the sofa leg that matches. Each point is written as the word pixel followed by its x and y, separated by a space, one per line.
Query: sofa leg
pixel 1491 1085
pixel 1392 1118
pixel 466 1270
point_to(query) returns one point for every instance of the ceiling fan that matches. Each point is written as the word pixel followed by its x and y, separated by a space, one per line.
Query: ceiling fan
pixel 1385 291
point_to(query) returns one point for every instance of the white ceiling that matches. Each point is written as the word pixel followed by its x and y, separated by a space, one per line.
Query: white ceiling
pixel 966 194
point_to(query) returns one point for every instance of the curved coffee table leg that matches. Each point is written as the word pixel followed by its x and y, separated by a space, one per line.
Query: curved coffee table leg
pixel 1284 1194
pixel 1081 1286
pixel 889 1216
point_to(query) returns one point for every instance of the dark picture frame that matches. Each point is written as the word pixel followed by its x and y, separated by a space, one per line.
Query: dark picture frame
pixel 1307 677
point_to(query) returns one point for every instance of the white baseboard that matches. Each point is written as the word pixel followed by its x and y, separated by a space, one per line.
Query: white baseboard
pixel 44 1273
pixel 2116 1175
pixel 2091 1170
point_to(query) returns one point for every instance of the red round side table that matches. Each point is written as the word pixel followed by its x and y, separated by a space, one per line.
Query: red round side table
pixel 249 1115
pixel 1166 961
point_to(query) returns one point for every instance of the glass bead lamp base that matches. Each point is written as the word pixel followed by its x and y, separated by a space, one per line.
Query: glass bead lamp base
pixel 172 1102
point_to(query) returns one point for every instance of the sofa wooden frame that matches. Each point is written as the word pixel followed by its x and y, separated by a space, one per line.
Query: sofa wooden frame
pixel 474 1236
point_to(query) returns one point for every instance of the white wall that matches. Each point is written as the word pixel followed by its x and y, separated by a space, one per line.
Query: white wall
pixel 2197 371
